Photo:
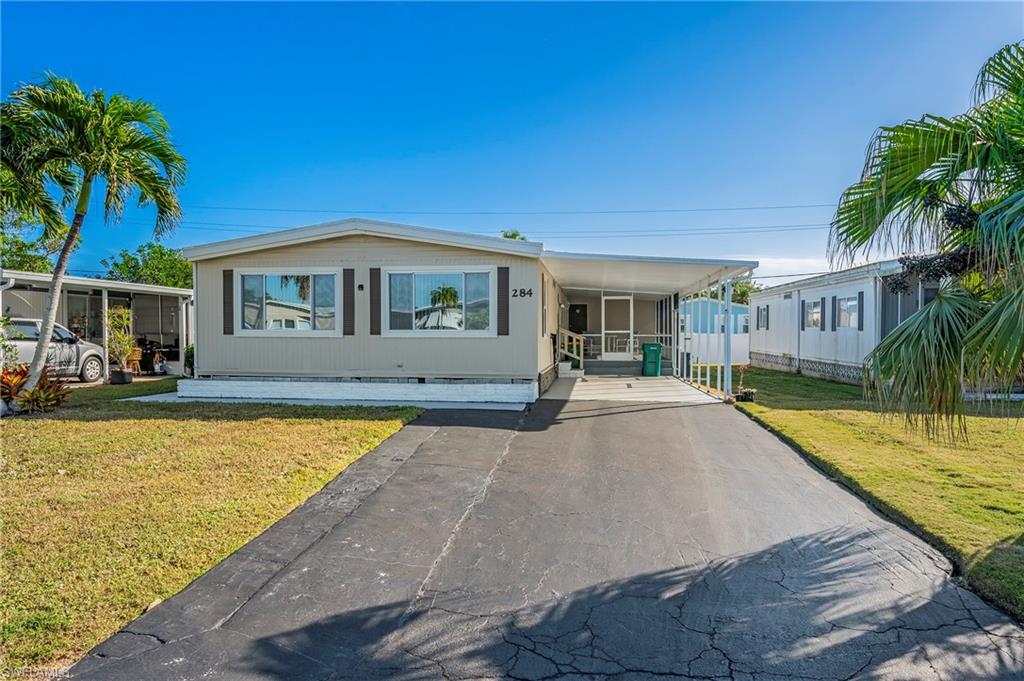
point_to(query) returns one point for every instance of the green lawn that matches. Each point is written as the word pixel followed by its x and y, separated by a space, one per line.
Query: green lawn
pixel 110 505
pixel 967 499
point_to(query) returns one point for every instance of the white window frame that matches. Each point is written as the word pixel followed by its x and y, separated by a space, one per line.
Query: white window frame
pixel 287 333
pixel 492 301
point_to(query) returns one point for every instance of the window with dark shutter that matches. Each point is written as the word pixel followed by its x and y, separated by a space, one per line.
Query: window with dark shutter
pixel 803 315
pixel 375 301
pixel 229 302
pixel 860 310
pixel 348 298
pixel 821 319
pixel 503 295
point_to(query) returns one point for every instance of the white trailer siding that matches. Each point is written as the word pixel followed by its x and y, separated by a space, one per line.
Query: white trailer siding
pixel 837 351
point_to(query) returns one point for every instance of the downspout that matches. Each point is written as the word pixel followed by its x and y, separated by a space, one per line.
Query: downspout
pixel 799 323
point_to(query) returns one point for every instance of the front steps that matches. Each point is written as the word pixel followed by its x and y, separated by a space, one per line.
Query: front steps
pixel 599 367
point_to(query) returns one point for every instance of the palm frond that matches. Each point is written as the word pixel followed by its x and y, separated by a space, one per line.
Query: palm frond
pixel 995 344
pixel 1003 73
pixel 916 370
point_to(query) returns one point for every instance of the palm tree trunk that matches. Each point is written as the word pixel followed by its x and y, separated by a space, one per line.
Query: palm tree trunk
pixel 35 369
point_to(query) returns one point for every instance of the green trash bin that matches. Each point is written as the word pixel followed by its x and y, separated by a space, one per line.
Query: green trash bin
pixel 652 359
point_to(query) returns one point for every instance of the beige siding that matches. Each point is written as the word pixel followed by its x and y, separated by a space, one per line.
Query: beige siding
pixel 512 356
pixel 555 298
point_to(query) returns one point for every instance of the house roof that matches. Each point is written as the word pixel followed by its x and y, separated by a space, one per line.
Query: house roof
pixel 43 279
pixel 356 227
pixel 572 270
pixel 872 269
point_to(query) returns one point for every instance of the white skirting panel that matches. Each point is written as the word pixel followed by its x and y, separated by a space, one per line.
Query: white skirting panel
pixel 359 390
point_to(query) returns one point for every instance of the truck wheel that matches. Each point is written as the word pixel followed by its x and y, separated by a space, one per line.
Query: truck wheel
pixel 92 370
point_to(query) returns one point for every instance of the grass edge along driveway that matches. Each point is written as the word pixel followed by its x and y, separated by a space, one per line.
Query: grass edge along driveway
pixel 110 506
pixel 966 499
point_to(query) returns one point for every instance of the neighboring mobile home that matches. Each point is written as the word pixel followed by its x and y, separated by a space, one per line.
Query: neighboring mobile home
pixel 160 314
pixel 367 310
pixel 825 326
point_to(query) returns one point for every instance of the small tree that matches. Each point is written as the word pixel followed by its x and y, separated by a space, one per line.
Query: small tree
pixel 512 234
pixel 120 341
pixel 151 263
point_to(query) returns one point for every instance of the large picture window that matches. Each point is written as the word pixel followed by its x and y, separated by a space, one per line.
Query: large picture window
pixel 441 302
pixel 289 302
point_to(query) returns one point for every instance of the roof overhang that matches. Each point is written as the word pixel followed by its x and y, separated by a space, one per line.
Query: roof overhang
pixel 641 274
pixel 359 226
pixel 44 279
pixel 880 268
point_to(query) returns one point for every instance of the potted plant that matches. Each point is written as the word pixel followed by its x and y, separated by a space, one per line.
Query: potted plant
pixel 745 394
pixel 120 343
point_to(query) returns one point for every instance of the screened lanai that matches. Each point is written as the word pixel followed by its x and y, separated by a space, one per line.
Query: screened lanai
pixel 161 315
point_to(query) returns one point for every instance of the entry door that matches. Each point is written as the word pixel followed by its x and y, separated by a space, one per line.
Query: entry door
pixel 578 318
pixel 617 327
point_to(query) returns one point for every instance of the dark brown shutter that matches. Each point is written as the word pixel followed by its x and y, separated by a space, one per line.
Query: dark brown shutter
pixel 803 315
pixel 374 301
pixel 502 301
pixel 860 310
pixel 348 301
pixel 229 302
pixel 766 307
pixel 821 318
pixel 835 312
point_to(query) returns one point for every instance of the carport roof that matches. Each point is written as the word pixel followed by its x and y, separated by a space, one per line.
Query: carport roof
pixel 642 274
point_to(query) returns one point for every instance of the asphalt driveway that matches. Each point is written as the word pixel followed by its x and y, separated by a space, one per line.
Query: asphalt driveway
pixel 579 540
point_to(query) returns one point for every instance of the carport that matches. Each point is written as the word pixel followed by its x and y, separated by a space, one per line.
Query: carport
pixel 610 305
pixel 161 315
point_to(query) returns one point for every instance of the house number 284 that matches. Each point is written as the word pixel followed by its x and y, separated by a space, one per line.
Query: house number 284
pixel 522 293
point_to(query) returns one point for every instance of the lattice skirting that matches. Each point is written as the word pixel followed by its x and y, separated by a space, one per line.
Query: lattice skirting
pixel 833 371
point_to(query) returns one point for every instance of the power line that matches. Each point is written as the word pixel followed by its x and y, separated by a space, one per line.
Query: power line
pixel 638 211
pixel 581 233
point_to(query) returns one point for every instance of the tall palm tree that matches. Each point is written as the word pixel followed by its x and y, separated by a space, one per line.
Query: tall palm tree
pixel 120 141
pixel 954 188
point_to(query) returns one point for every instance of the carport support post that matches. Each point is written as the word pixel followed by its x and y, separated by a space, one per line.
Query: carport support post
pixel 707 339
pixel 718 336
pixel 727 355
pixel 106 353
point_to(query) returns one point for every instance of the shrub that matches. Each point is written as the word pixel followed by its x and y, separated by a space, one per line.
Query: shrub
pixel 12 380
pixel 190 359
pixel 49 393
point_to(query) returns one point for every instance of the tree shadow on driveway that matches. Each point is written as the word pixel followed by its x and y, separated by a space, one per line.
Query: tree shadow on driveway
pixel 840 604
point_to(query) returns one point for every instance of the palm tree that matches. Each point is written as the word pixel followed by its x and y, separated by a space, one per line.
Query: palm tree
pixel 123 142
pixel 954 188
pixel 444 298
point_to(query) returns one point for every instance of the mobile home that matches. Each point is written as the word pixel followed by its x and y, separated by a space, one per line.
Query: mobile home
pixel 376 311
pixel 826 325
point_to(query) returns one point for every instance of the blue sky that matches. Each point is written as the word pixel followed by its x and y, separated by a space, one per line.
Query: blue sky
pixel 330 109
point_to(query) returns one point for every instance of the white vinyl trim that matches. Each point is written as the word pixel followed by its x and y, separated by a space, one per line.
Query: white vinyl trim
pixel 359 390
pixel 385 302
pixel 290 333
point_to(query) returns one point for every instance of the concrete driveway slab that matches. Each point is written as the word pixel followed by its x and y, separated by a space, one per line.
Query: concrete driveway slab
pixel 580 540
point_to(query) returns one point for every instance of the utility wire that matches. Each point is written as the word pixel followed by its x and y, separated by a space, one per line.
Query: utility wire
pixel 639 211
